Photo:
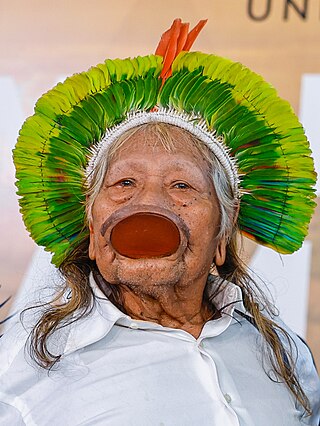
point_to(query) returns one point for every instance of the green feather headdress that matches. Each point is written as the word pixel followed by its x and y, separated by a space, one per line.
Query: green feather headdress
pixel 260 131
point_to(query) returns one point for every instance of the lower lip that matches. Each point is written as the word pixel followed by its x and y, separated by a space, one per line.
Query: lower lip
pixel 145 235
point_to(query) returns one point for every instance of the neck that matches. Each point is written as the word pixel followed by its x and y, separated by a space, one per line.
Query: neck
pixel 182 306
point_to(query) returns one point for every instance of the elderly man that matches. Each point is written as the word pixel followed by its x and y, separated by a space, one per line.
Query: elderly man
pixel 158 322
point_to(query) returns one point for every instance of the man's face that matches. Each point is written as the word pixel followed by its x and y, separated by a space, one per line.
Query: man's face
pixel 144 173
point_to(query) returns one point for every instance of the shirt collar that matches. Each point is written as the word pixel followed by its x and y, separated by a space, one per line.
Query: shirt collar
pixel 226 297
pixel 104 315
pixel 96 325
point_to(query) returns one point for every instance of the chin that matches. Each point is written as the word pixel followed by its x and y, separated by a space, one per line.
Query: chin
pixel 144 272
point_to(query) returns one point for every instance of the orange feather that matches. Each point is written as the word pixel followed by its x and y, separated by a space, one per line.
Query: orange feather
pixel 165 39
pixel 194 34
pixel 173 41
pixel 171 47
pixel 183 36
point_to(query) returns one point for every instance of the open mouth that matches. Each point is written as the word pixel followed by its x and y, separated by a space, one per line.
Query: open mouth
pixel 140 232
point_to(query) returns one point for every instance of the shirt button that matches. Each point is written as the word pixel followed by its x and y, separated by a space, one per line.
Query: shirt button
pixel 134 325
pixel 228 398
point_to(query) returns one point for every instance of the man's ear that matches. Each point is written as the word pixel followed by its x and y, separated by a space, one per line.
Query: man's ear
pixel 220 252
pixel 92 250
pixel 221 249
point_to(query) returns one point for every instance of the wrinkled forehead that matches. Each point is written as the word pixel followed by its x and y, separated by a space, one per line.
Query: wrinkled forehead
pixel 161 136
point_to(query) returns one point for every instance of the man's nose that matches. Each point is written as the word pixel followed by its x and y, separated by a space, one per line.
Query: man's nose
pixel 153 193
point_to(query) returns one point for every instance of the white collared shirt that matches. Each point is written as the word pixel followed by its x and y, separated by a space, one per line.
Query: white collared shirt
pixel 118 371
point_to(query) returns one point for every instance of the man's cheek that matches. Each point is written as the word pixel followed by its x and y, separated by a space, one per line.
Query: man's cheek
pixel 105 261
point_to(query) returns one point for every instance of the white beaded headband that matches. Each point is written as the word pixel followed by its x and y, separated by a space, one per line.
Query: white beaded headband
pixel 193 124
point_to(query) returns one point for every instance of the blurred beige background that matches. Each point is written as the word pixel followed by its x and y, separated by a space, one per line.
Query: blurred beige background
pixel 42 41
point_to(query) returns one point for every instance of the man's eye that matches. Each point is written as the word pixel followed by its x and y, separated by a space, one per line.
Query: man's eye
pixel 181 185
pixel 126 182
